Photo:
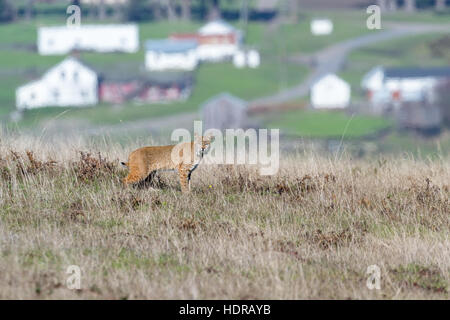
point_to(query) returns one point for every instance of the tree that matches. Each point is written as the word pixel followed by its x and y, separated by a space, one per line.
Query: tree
pixel 440 5
pixel 139 10
pixel 214 10
pixel 382 5
pixel 7 11
pixel 392 5
pixel 410 5
pixel 186 10
pixel 29 9
pixel 294 10
pixel 101 10
pixel 171 10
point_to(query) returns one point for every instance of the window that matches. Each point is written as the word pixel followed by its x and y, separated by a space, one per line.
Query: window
pixel 63 75
pixel 32 96
pixel 55 94
pixel 75 76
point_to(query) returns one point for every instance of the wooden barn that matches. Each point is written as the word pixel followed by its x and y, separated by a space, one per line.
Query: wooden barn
pixel 224 111
pixel 150 88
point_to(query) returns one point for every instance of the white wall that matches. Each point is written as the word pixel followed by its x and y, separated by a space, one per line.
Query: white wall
pixel 171 61
pixel 67 84
pixel 330 92
pixel 412 89
pixel 320 27
pixel 99 38
pixel 373 80
pixel 216 52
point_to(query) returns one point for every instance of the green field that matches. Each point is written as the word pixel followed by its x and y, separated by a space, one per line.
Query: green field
pixel 327 124
pixel 410 51
pixel 275 73
pixel 276 43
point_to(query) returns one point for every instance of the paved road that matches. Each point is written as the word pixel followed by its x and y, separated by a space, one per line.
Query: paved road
pixel 328 60
pixel 331 59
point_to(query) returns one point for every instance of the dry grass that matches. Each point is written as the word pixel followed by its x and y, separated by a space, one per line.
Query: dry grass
pixel 311 231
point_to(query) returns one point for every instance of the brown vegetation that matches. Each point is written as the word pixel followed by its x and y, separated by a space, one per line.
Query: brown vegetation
pixel 310 231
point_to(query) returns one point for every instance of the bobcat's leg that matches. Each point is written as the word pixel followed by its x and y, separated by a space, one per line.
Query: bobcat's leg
pixel 151 178
pixel 135 175
pixel 189 179
pixel 183 173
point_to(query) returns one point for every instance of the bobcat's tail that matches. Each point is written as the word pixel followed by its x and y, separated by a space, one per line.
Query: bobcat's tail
pixel 125 164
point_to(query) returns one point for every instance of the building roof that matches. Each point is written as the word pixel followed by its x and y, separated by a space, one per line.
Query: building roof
pixel 414 72
pixel 216 27
pixel 160 78
pixel 170 45
pixel 330 79
pixel 90 27
pixel 225 99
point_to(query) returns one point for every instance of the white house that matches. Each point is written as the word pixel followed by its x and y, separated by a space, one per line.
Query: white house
pixel 320 27
pixel 69 83
pixel 407 84
pixel 217 41
pixel 242 59
pixel 106 2
pixel 60 40
pixel 330 92
pixel 171 55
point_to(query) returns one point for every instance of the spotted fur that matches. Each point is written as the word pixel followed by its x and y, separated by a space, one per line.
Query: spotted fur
pixel 148 160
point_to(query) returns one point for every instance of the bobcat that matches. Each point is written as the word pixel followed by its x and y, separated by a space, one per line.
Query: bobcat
pixel 145 161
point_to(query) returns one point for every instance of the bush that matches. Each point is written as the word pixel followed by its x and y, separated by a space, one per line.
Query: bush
pixel 7 11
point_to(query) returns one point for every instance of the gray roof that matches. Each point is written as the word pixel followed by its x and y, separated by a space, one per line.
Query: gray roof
pixel 225 99
pixel 415 72
pixel 224 111
pixel 169 77
pixel 170 45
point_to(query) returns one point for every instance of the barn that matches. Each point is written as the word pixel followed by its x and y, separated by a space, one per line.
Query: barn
pixel 170 54
pixel 69 83
pixel 217 41
pixel 59 40
pixel 384 86
pixel 321 27
pixel 330 92
pixel 224 111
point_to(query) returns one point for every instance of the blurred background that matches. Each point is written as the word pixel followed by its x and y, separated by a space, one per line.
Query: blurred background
pixel 312 68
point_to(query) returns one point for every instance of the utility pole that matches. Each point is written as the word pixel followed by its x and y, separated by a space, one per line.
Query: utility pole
pixel 282 57
pixel 244 18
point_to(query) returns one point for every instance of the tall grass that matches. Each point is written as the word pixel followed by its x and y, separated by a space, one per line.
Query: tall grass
pixel 310 231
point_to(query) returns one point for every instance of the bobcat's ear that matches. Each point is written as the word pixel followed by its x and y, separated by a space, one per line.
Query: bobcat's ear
pixel 209 137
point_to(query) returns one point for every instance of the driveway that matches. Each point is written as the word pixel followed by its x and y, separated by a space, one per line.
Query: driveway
pixel 328 60
pixel 331 59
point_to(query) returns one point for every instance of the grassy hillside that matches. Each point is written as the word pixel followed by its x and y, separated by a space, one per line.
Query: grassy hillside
pixel 327 124
pixel 310 231
pixel 275 44
pixel 409 51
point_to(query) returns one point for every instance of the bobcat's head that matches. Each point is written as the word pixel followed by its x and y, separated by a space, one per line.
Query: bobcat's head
pixel 202 144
